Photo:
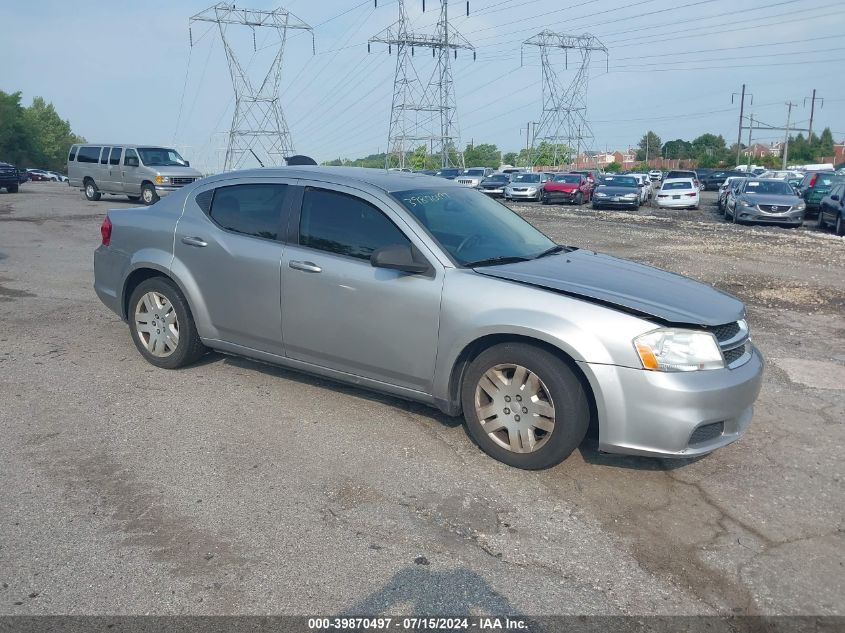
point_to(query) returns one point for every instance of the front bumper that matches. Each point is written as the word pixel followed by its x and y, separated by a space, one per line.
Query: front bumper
pixel 563 196
pixel 163 190
pixel 520 195
pixel 656 413
pixel 631 203
pixel 755 215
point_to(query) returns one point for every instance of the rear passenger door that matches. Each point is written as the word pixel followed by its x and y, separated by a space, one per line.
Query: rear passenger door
pixel 131 173
pixel 340 312
pixel 229 248
pixel 114 178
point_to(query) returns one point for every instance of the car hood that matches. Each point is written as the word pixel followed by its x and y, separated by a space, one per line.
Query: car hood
pixel 179 172
pixel 561 186
pixel 635 287
pixel 616 191
pixel 766 199
pixel 525 184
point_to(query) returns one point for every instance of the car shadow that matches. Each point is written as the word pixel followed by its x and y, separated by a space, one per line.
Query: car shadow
pixel 588 449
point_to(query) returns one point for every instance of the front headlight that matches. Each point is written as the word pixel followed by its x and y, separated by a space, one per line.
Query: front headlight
pixel 670 349
pixel 599 194
pixel 800 207
pixel 532 189
pixel 162 180
pixel 745 203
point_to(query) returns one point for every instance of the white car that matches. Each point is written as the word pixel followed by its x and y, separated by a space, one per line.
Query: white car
pixel 656 175
pixel 473 176
pixel 645 190
pixel 679 193
pixel 781 175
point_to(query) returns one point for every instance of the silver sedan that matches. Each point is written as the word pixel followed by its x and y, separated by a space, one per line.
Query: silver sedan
pixel 422 288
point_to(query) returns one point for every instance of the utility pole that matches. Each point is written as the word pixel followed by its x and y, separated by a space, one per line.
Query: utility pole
pixel 564 109
pixel 422 112
pixel 741 110
pixel 259 122
pixel 750 127
pixel 528 141
pixel 789 105
pixel 813 100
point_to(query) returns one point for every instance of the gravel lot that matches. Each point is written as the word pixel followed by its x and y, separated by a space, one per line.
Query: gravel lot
pixel 234 487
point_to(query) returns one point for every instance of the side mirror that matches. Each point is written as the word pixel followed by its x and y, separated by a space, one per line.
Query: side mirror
pixel 187 163
pixel 399 257
pixel 835 196
pixel 130 161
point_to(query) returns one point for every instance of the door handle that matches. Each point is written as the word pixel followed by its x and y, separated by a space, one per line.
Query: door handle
pixel 194 241
pixel 308 267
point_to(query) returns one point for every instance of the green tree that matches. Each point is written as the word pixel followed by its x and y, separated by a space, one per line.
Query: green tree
pixel 677 149
pixel 649 146
pixel 17 144
pixel 52 135
pixel 482 155
pixel 613 167
pixel 825 144
pixel 510 158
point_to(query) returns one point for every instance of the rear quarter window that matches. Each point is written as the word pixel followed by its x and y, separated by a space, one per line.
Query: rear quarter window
pixel 249 209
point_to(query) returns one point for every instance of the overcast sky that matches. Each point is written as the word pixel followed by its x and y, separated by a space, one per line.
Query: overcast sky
pixel 124 72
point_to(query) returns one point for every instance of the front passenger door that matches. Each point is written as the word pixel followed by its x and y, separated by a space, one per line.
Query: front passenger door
pixel 340 312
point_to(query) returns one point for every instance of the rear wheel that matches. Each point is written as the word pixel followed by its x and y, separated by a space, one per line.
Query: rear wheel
pixel 91 192
pixel 148 194
pixel 161 325
pixel 524 406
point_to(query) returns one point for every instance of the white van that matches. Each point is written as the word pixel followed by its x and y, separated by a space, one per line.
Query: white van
pixel 140 172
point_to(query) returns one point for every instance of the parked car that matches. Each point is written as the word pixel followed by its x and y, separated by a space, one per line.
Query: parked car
pixel 494 185
pixel 58 176
pixel 715 179
pixel 683 174
pixel 456 302
pixel 832 209
pixel 567 188
pixel 449 173
pixel 525 186
pixel 39 175
pixel 592 175
pixel 9 178
pixel 814 186
pixel 679 193
pixel 644 186
pixel 655 175
pixel 771 201
pixel 724 190
pixel 473 176
pixel 140 172
pixel 617 191
pixel 781 174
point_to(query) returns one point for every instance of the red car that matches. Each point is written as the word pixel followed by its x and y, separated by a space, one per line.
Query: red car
pixel 567 188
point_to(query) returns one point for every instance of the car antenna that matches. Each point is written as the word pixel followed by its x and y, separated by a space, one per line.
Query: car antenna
pixel 256 157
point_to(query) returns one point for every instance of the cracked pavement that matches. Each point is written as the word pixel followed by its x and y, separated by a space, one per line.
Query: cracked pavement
pixel 236 487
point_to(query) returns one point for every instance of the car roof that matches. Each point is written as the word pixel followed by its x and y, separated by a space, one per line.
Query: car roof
pixel 380 178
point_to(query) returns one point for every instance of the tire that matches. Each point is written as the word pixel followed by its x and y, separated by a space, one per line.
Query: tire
pixel 545 200
pixel 539 196
pixel 579 200
pixel 148 194
pixel 91 192
pixel 12 188
pixel 820 223
pixel 559 406
pixel 160 293
pixel 839 228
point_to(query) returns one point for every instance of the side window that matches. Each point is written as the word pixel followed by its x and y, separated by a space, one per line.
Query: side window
pixel 114 159
pixel 104 157
pixel 249 209
pixel 88 154
pixel 130 153
pixel 346 225
pixel 72 155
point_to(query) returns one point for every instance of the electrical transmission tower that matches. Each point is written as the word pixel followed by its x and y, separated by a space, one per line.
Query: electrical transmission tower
pixel 259 128
pixel 423 112
pixel 564 116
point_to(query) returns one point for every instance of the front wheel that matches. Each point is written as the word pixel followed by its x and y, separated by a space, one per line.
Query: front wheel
pixel 12 188
pixel 91 192
pixel 148 194
pixel 524 406
pixel 579 199
pixel 161 325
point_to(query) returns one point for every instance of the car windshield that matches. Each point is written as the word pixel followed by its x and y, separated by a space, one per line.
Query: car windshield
pixel 680 174
pixel 498 178
pixel 471 227
pixel 526 178
pixel 678 184
pixel 161 157
pixel 771 187
pixel 474 172
pixel 619 181
pixel 448 173
pixel 568 178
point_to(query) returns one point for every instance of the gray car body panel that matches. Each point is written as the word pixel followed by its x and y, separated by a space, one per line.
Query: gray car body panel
pixel 406 334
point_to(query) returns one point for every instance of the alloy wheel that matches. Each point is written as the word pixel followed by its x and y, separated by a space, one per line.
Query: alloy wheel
pixel 156 324
pixel 515 408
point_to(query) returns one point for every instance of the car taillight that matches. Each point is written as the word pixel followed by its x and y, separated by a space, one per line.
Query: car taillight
pixel 692 195
pixel 105 231
pixel 813 180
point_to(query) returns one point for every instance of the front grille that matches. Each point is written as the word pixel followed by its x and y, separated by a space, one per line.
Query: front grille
pixel 182 180
pixel 733 355
pixel 706 432
pixel 519 188
pixel 464 181
pixel 773 208
pixel 725 332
